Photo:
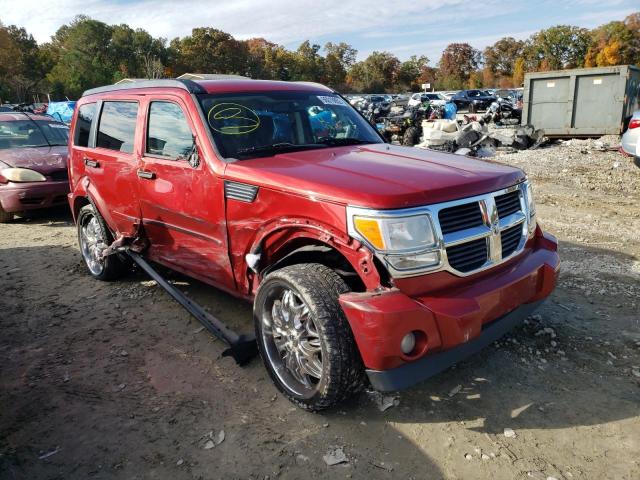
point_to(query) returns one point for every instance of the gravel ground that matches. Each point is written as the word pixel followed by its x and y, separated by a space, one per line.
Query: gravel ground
pixel 114 380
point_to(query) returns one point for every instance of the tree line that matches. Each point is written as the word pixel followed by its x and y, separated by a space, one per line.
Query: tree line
pixel 86 53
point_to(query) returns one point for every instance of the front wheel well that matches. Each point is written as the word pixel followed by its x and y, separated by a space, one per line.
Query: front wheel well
pixel 78 203
pixel 322 254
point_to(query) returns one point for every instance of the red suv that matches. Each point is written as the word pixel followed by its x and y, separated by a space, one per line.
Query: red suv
pixel 363 260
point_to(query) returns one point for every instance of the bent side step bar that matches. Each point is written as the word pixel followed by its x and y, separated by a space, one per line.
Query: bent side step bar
pixel 241 347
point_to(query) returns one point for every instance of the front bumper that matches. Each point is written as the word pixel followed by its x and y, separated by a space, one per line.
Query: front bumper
pixel 18 197
pixel 455 319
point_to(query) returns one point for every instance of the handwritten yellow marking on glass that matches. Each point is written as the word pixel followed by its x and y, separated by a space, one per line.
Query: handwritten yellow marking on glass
pixel 242 119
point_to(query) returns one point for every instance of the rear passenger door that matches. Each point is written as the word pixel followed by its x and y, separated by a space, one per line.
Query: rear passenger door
pixel 181 218
pixel 111 162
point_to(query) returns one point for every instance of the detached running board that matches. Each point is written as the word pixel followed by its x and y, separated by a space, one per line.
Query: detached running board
pixel 241 347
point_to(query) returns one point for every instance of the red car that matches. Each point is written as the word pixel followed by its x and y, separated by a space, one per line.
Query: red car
pixel 33 163
pixel 363 260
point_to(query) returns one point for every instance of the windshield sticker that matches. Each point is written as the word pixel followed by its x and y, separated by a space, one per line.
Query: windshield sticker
pixel 232 119
pixel 57 125
pixel 331 100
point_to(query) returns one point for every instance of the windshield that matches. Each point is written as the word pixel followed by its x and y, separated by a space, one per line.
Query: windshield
pixel 32 133
pixel 247 125
pixel 475 93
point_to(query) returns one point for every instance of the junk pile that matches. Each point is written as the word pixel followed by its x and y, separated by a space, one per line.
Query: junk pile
pixel 477 138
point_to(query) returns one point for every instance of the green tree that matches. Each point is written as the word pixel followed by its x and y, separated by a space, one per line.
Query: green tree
pixel 83 58
pixel 410 73
pixel 500 58
pixel 377 73
pixel 338 59
pixel 457 63
pixel 208 50
pixel 558 47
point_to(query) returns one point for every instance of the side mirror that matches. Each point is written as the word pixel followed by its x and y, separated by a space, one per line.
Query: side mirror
pixel 194 158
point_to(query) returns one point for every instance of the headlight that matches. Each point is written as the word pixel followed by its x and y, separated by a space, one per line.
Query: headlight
pixel 401 234
pixel 406 242
pixel 22 175
pixel 531 206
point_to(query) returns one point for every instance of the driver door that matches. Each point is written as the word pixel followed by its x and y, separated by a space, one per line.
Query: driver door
pixel 185 229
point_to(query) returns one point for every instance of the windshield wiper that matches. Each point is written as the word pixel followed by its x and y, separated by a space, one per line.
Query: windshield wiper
pixel 278 147
pixel 344 141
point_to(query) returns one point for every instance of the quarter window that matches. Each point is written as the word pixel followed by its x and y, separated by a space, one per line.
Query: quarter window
pixel 117 127
pixel 86 113
pixel 168 133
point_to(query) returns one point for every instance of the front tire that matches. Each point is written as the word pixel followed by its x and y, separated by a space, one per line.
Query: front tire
pixel 93 238
pixel 304 338
pixel 5 217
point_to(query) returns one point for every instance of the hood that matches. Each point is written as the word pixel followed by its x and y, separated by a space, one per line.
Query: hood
pixel 41 159
pixel 376 176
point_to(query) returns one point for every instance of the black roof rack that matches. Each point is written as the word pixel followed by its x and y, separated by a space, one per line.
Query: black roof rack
pixel 188 85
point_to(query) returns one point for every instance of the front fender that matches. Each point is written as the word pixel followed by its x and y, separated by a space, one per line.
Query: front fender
pixel 277 238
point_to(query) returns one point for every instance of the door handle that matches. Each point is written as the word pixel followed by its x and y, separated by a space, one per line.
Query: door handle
pixel 146 174
pixel 91 163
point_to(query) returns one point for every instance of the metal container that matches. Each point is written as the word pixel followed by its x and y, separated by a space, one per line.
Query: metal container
pixel 583 102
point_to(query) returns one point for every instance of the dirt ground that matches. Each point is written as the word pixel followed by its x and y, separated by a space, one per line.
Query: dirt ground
pixel 115 380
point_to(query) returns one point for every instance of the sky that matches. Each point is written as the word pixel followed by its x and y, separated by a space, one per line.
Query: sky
pixel 403 27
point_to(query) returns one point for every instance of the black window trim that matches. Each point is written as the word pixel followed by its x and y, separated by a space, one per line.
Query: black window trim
pixel 91 139
pixel 146 154
pixel 96 125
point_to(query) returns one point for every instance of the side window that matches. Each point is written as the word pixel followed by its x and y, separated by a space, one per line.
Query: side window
pixel 117 126
pixel 86 114
pixel 168 133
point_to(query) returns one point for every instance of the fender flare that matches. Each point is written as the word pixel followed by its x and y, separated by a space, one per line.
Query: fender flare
pixel 272 242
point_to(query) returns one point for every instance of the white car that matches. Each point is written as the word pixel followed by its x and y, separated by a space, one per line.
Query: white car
pixel 418 98
pixel 631 137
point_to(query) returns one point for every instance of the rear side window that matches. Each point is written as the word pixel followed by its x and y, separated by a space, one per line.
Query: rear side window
pixel 86 114
pixel 168 133
pixel 117 126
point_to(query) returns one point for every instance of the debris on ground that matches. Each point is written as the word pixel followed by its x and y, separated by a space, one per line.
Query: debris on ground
pixel 49 453
pixel 382 401
pixel 509 433
pixel 335 456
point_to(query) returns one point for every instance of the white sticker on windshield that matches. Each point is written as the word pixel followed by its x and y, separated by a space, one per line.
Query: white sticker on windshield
pixel 57 125
pixel 331 100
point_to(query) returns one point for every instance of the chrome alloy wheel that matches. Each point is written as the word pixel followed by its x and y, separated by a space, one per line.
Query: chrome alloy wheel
pixel 292 341
pixel 92 244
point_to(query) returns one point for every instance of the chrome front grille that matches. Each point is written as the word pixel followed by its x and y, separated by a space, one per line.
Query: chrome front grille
pixel 498 236
pixel 468 256
pixel 508 203
pixel 510 239
pixel 460 217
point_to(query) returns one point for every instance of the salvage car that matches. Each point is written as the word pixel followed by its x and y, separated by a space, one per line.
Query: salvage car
pixel 365 262
pixel 33 163
pixel 472 100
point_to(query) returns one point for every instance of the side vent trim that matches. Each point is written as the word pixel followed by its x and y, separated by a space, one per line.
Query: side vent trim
pixel 240 191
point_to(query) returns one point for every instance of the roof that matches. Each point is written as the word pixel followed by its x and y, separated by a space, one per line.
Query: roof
pixel 208 76
pixel 16 116
pixel 224 84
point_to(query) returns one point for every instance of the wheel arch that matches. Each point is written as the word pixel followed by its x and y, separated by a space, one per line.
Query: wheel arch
pixel 295 244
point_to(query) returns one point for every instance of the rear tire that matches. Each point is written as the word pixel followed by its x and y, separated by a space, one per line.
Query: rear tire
pixel 5 217
pixel 304 338
pixel 93 237
pixel 411 136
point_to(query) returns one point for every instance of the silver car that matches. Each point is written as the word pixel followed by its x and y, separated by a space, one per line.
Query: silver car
pixel 630 138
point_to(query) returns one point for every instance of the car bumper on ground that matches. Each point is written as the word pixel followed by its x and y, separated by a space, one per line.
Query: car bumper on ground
pixel 450 323
pixel 18 197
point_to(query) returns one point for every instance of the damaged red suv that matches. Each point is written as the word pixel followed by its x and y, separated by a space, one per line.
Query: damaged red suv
pixel 364 261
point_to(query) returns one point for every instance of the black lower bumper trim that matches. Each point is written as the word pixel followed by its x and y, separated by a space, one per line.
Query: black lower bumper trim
pixel 414 372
